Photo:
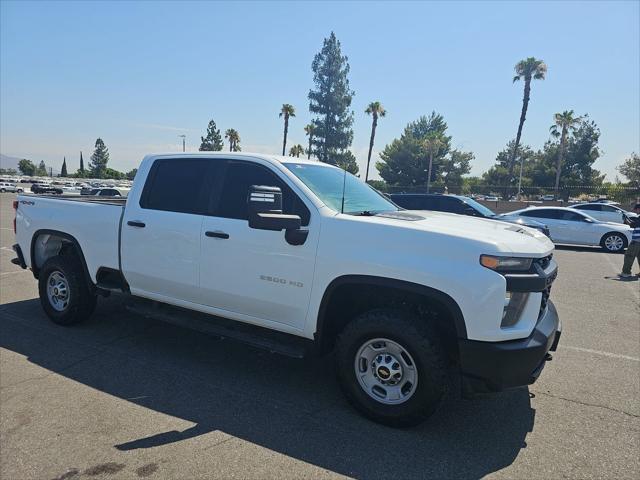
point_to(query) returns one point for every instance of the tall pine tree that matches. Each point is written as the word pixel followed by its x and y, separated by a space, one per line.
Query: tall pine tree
pixel 212 142
pixel 331 103
pixel 63 170
pixel 99 159
pixel 81 163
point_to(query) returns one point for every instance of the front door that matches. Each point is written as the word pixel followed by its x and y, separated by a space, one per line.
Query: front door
pixel 256 275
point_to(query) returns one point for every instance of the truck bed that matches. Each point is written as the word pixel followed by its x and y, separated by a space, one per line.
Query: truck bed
pixel 93 222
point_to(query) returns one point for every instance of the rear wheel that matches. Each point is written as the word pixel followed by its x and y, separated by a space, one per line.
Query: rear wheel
pixel 614 242
pixel 64 292
pixel 391 367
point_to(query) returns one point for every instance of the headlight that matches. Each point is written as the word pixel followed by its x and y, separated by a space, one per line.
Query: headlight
pixel 506 264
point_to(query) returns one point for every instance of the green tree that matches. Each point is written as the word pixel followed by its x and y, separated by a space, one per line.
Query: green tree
pixel 234 139
pixel 347 161
pixel 432 145
pixel 296 151
pixel 41 171
pixel 565 123
pixel 331 103
pixel 376 110
pixel 81 163
pixel 286 111
pixel 454 166
pixel 405 160
pixel 113 174
pixel 99 160
pixel 526 70
pixel 498 175
pixel 131 174
pixel 27 167
pixel 630 168
pixel 63 170
pixel 212 142
pixel 309 129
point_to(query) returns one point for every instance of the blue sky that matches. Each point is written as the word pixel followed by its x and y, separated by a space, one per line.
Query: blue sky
pixel 140 74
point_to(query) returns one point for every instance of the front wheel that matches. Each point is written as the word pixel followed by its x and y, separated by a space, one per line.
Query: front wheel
pixel 614 242
pixel 391 367
pixel 64 293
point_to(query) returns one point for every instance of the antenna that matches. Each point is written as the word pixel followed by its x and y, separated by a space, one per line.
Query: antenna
pixel 344 181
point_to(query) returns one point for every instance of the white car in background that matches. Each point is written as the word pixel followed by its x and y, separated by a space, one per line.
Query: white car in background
pixel 605 212
pixel 574 227
pixel 10 187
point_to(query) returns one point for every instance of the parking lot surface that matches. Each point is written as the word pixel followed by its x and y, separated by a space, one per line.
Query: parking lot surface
pixel 123 396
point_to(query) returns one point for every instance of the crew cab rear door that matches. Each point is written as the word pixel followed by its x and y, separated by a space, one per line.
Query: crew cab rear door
pixel 250 274
pixel 160 240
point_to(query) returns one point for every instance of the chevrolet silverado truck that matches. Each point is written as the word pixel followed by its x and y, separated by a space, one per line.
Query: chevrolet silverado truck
pixel 300 257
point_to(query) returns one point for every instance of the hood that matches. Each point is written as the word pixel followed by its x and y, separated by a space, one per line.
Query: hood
pixel 496 235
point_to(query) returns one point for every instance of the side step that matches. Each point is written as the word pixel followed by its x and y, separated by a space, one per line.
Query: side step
pixel 263 338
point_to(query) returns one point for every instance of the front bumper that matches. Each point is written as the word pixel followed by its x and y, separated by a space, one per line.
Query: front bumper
pixel 494 366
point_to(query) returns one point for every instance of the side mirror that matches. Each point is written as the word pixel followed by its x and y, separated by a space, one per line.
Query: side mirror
pixel 264 207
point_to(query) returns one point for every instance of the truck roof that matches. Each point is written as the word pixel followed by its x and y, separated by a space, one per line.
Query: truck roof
pixel 239 155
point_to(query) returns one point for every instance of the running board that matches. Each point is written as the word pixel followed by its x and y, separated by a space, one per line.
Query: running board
pixel 258 337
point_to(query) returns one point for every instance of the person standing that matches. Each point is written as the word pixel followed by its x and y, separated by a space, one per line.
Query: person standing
pixel 633 250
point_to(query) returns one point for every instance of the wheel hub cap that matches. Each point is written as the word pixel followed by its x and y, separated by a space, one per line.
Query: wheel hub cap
pixel 386 371
pixel 58 291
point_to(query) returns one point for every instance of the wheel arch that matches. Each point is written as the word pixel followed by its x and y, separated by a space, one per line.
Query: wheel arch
pixel 56 243
pixel 355 291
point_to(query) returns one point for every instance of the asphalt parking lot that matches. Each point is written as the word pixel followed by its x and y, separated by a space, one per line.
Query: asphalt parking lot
pixel 127 397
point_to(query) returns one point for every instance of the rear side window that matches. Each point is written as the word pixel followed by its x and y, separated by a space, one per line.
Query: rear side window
pixel 571 216
pixel 414 202
pixel 178 185
pixel 593 208
pixel 239 177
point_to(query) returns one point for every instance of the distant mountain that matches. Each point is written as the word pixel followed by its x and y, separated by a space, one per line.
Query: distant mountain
pixel 12 162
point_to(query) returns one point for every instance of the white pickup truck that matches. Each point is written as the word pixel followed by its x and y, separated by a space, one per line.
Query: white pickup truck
pixel 300 257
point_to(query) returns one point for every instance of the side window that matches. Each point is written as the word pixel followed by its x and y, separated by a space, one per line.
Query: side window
pixel 451 205
pixel 239 177
pixel 178 185
pixel 607 208
pixel 546 213
pixel 572 216
pixel 410 202
pixel 590 207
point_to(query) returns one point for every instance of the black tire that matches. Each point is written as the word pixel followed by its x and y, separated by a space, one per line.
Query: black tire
pixel 611 235
pixel 422 343
pixel 81 300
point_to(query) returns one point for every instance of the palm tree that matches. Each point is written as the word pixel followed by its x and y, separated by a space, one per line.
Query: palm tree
pixel 564 123
pixel 528 69
pixel 286 111
pixel 234 139
pixel 296 151
pixel 432 143
pixel 376 110
pixel 309 130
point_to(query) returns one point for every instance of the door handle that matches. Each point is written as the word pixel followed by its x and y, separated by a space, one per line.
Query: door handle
pixel 217 234
pixel 136 223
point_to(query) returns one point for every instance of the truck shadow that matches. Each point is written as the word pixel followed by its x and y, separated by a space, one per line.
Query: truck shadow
pixel 289 406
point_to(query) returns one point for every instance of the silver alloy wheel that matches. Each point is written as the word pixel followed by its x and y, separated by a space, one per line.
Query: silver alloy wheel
pixel 613 243
pixel 58 291
pixel 386 371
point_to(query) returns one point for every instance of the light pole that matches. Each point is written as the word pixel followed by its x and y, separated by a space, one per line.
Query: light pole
pixel 183 137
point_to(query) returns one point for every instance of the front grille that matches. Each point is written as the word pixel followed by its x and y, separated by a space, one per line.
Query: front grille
pixel 545 299
pixel 544 261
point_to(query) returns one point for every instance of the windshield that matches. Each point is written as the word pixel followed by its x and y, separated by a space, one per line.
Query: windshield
pixel 487 212
pixel 327 184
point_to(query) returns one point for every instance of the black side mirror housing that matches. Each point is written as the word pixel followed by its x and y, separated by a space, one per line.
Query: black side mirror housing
pixel 264 207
